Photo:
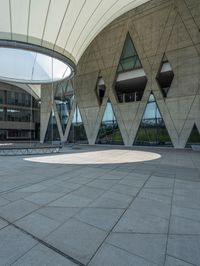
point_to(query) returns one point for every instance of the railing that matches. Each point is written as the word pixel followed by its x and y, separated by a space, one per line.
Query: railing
pixel 29 150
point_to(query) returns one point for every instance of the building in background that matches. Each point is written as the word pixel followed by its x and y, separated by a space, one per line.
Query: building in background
pixel 19 114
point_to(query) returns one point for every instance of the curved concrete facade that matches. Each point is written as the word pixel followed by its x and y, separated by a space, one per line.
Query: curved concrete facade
pixel 157 28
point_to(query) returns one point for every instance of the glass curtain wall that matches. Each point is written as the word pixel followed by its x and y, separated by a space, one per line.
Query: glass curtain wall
pixel 152 130
pixel 52 133
pixel 64 100
pixel 109 132
pixel 77 132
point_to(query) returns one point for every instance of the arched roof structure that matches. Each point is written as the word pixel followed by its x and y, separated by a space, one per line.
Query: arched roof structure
pixel 65 26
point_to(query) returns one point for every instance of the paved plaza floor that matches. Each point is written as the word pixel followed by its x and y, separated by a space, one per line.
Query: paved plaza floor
pixel 101 206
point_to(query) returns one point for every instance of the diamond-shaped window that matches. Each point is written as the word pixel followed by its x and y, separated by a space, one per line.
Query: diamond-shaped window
pixel 100 89
pixel 131 78
pixel 165 76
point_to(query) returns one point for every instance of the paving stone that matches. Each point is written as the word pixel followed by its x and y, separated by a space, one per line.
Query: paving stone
pixel 3 224
pixel 184 247
pixel 113 256
pixel 193 214
pixel 17 209
pixel 41 255
pixel 149 246
pixel 13 244
pixel 3 201
pixel 101 218
pixel 170 261
pixel 111 200
pixel 37 224
pixel 59 214
pixel 141 222
pixel 125 189
pixel 71 200
pixel 42 198
pixel 180 225
pixel 77 239
pixel 89 192
pixel 152 207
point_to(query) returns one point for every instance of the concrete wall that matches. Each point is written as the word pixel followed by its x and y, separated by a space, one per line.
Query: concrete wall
pixel 170 27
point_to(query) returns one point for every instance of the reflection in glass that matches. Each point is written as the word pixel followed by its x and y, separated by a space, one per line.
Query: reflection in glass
pixel 109 132
pixel 129 58
pixel 194 137
pixel 64 99
pixel 77 132
pixel 152 130
pixel 52 133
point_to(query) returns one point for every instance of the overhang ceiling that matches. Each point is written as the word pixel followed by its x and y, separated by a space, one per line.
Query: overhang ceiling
pixel 66 26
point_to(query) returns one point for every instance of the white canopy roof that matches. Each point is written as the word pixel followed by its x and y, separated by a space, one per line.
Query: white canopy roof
pixel 66 26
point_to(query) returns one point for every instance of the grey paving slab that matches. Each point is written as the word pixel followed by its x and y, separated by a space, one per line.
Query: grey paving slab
pixel 41 255
pixel 103 183
pixel 184 247
pixel 13 244
pixel 17 209
pixel 149 246
pixel 113 256
pixel 32 188
pixel 190 213
pixel 111 200
pixel 16 195
pixel 152 194
pixel 42 198
pixel 59 214
pixel 77 239
pixel 180 225
pixel 3 201
pixel 71 200
pixel 152 207
pixel 92 194
pixel 89 192
pixel 141 222
pixel 125 189
pixel 170 261
pixel 37 224
pixel 3 224
pixel 159 182
pixel 102 218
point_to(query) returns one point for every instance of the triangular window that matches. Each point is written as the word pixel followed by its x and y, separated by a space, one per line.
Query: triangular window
pixel 194 137
pixel 52 133
pixel 129 59
pixel 152 130
pixel 77 132
pixel 109 132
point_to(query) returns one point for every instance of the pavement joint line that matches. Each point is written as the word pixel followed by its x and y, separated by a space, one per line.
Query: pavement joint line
pixel 131 253
pixel 170 216
pixel 77 262
pixel 111 230
pixel 181 260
